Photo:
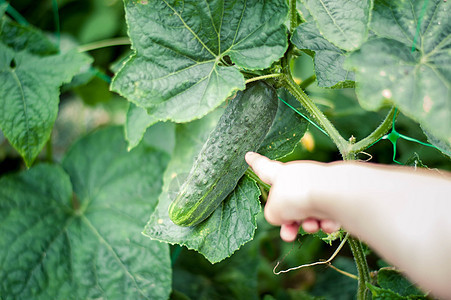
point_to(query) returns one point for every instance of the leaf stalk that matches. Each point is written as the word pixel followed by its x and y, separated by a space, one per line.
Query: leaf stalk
pixel 375 136
pixel 263 77
pixel 104 43
pixel 293 15
pixel 314 111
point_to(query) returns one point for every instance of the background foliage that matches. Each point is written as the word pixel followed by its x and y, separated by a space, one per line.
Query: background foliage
pixel 87 172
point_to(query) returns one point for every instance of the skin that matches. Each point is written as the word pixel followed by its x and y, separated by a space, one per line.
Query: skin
pixel 401 213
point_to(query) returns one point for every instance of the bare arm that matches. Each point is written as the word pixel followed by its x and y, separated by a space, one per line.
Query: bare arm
pixel 402 214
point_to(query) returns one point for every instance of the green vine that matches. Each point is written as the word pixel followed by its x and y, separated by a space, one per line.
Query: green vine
pixel 293 15
pixel 314 111
pixel 348 150
pixel 362 267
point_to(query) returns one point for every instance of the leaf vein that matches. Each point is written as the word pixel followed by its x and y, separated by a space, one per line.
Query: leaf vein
pixel 189 29
pixel 115 255
pixel 25 111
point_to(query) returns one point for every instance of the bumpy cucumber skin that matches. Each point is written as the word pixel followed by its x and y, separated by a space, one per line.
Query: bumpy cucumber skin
pixel 220 163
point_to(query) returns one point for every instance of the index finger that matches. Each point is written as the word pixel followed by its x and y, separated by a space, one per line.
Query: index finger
pixel 265 168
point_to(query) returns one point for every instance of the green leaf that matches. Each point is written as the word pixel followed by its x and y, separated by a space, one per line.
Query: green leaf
pixel 328 59
pixel 393 280
pixel 231 225
pixel 342 22
pixel 303 11
pixel 418 82
pixel 393 285
pixel 445 148
pixel 235 278
pixel 29 96
pixel 178 72
pixel 25 37
pixel 3 8
pixel 161 136
pixel 84 243
pixel 136 124
pixel 384 294
pixel 287 130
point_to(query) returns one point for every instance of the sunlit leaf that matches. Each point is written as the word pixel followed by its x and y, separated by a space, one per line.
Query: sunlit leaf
pixel 418 82
pixel 342 22
pixel 179 71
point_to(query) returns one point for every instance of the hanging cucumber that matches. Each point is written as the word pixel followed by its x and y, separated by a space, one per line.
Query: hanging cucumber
pixel 220 163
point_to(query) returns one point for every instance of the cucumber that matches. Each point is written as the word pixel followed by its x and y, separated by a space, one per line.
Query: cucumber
pixel 220 163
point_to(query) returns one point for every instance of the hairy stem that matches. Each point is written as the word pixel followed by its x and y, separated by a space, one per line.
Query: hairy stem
pixel 315 112
pixel 362 267
pixel 293 15
pixel 104 43
pixel 263 77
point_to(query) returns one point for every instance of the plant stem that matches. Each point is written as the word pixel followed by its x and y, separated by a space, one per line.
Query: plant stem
pixel 343 272
pixel 254 176
pixel 15 14
pixel 347 150
pixel 306 83
pixel 315 112
pixel 104 43
pixel 56 18
pixel 293 15
pixel 377 134
pixel 263 77
pixel 362 267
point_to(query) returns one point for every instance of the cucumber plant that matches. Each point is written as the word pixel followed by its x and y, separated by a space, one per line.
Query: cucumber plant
pixel 203 83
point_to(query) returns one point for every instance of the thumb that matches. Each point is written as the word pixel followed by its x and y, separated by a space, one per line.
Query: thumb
pixel 265 168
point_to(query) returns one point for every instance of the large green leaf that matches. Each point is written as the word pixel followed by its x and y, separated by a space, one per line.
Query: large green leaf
pixel 393 285
pixel 287 130
pixel 393 280
pixel 417 82
pixel 445 148
pixel 181 67
pixel 29 96
pixel 136 123
pixel 328 60
pixel 84 243
pixel 231 225
pixel 25 37
pixel 235 278
pixel 342 22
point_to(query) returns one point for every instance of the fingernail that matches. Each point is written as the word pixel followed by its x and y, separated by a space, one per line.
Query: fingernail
pixel 249 155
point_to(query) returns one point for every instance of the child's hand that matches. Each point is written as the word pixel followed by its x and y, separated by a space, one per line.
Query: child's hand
pixel 290 203
pixel 400 213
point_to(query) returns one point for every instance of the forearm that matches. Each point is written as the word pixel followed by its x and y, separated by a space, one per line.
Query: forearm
pixel 401 214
